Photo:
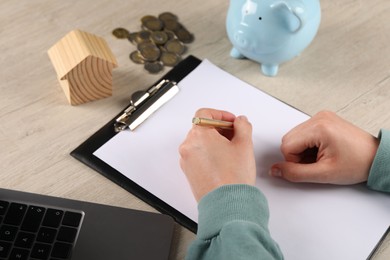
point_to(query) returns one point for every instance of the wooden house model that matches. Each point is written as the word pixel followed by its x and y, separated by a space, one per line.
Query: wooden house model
pixel 84 64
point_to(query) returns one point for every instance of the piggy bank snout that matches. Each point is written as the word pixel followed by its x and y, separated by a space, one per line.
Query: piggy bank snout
pixel 241 40
pixel 257 41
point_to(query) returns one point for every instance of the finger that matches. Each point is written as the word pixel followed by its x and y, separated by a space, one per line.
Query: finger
pixel 296 172
pixel 218 115
pixel 296 142
pixel 215 114
pixel 315 132
pixel 242 130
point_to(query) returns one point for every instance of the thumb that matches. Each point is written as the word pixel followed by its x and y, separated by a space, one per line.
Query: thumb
pixel 242 130
pixel 298 172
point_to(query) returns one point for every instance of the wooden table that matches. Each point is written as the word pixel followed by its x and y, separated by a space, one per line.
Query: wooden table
pixel 346 69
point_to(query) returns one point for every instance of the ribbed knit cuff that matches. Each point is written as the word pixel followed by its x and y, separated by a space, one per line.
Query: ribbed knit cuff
pixel 379 178
pixel 238 202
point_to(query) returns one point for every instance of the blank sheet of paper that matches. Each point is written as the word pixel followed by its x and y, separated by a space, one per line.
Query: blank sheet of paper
pixel 308 221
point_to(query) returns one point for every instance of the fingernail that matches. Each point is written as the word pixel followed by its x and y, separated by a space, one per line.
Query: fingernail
pixel 275 172
pixel 242 118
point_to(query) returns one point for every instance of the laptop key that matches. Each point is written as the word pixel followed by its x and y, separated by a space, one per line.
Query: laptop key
pixel 3 206
pixel 15 214
pixel 19 254
pixel 8 233
pixel 53 218
pixel 33 219
pixel 4 248
pixel 24 240
pixel 67 234
pixel 40 251
pixel 72 219
pixel 46 235
pixel 61 250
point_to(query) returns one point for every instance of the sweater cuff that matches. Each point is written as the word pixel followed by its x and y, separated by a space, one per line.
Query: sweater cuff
pixel 379 177
pixel 237 202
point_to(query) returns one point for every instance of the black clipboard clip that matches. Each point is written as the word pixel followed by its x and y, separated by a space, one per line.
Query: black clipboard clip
pixel 144 103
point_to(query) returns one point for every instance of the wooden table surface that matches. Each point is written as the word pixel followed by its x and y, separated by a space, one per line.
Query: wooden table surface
pixel 346 69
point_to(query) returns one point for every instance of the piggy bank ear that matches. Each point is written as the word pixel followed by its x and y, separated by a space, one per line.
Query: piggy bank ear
pixel 292 12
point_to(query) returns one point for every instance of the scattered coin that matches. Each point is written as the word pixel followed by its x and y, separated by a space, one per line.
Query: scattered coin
pixel 132 37
pixel 152 24
pixel 171 25
pixel 159 37
pixel 149 51
pixel 143 36
pixel 169 59
pixel 160 42
pixel 171 35
pixel 121 33
pixel 136 57
pixel 147 18
pixel 167 16
pixel 184 35
pixel 153 67
pixel 175 46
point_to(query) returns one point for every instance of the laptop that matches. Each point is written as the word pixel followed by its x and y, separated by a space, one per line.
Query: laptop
pixel 36 226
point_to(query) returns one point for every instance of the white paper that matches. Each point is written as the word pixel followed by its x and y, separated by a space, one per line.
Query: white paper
pixel 308 221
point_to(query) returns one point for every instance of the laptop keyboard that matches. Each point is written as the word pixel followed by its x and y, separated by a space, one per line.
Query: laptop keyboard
pixel 36 232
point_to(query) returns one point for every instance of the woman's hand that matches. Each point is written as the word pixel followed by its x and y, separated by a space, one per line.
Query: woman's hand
pixel 212 157
pixel 326 149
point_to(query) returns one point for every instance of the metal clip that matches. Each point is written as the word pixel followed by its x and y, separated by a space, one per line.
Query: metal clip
pixel 122 122
pixel 148 101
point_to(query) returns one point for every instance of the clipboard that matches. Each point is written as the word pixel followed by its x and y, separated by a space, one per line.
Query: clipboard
pixel 84 152
pixel 309 221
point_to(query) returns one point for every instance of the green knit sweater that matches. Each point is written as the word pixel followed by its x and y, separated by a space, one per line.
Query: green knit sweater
pixel 233 219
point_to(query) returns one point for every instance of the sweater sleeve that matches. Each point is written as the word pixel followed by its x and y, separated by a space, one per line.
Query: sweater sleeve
pixel 233 224
pixel 379 177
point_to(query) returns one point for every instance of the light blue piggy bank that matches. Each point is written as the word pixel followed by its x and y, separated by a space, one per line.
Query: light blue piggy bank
pixel 271 31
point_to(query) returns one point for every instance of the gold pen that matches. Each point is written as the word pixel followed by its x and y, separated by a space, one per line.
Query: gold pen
pixel 200 121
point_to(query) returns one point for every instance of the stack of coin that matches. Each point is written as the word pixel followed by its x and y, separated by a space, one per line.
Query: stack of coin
pixel 160 42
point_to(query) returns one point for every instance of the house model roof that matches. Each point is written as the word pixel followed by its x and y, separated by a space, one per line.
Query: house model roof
pixel 75 47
